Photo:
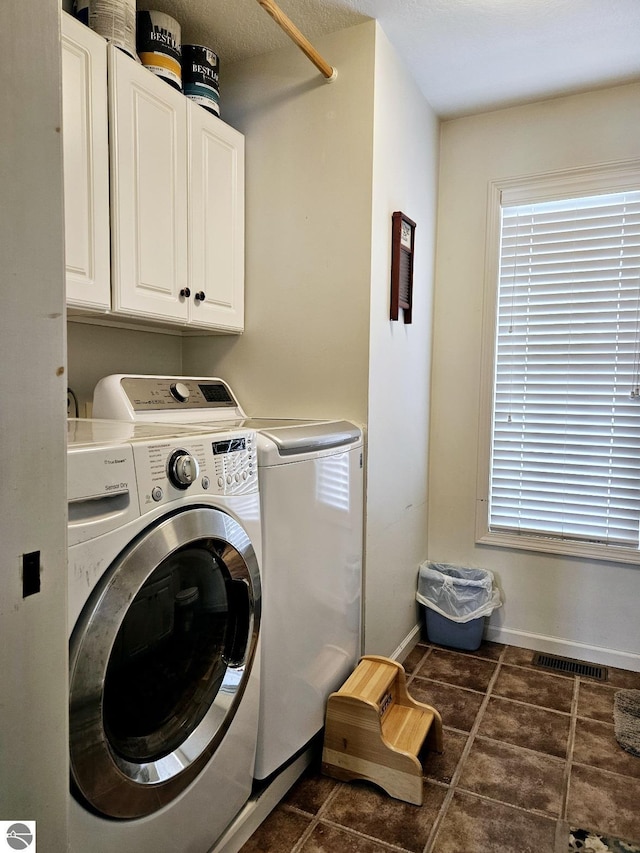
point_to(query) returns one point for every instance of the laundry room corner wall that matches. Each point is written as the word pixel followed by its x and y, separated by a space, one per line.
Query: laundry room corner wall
pixel 405 178
pixel 323 176
pixel 308 213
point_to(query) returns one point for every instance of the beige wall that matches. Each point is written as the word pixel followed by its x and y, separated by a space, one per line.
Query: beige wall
pixel 575 607
pixel 96 351
pixel 327 164
pixel 308 230
pixel 405 179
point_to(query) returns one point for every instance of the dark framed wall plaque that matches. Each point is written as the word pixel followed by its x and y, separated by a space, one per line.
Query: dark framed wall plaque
pixel 402 245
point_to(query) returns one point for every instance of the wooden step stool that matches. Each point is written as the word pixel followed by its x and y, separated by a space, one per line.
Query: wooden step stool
pixel 374 730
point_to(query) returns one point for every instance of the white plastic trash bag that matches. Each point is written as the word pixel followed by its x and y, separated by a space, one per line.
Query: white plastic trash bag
pixel 459 594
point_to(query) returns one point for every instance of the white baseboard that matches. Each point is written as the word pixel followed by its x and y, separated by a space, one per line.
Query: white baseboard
pixel 407 644
pixel 563 647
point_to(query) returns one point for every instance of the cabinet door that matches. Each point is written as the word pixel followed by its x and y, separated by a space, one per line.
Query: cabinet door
pixel 148 146
pixel 216 221
pixel 86 166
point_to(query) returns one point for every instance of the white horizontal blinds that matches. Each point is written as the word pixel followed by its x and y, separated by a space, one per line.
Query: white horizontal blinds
pixel 566 432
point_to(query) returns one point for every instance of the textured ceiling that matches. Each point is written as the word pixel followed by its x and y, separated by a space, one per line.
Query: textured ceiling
pixel 466 55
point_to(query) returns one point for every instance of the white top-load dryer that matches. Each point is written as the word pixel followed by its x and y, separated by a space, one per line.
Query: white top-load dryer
pixel 311 494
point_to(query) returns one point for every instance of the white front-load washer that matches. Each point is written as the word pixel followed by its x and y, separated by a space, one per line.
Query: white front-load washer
pixel 311 494
pixel 164 615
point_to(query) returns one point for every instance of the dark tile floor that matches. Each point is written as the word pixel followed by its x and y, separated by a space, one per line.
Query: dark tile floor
pixel 527 753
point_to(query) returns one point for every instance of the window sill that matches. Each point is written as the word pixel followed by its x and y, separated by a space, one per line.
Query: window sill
pixel 587 550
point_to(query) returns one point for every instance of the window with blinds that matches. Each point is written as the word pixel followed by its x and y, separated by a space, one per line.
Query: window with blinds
pixel 565 450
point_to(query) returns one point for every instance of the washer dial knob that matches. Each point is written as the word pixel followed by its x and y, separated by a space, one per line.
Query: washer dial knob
pixel 179 391
pixel 182 469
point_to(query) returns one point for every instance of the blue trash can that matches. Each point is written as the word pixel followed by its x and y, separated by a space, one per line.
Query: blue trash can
pixel 456 601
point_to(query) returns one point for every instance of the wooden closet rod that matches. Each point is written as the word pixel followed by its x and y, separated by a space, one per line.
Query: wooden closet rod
pixel 304 44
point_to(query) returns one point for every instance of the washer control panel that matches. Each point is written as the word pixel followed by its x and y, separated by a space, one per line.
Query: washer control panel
pixel 221 463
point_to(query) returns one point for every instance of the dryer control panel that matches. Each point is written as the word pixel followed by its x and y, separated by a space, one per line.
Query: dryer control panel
pixel 220 463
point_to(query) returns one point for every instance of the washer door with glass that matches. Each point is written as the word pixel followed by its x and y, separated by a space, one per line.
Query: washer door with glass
pixel 159 660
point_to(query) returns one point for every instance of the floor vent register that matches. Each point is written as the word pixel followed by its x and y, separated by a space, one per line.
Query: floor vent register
pixel 570 666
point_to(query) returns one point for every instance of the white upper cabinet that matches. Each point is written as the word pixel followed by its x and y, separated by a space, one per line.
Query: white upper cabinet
pixel 216 220
pixel 148 144
pixel 166 247
pixel 86 166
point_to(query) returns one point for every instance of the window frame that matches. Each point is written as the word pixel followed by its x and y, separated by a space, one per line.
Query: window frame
pixel 550 186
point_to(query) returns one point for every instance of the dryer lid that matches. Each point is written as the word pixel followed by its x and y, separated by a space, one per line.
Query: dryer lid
pixel 310 436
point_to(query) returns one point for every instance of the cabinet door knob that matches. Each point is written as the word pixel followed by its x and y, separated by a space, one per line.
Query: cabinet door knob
pixel 201 295
pixel 185 292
